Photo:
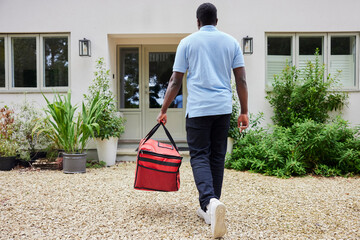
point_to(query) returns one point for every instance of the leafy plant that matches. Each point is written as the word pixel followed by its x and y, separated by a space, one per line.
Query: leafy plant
pixel 307 147
pixel 72 131
pixel 234 130
pixel 299 95
pixel 301 142
pixel 8 145
pixel 27 117
pixel 111 124
pixel 95 164
pixel 6 122
pixel 8 148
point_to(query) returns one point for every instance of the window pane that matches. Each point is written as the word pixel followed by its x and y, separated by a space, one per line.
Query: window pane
pixel 279 46
pixel 160 70
pixel 343 58
pixel 307 49
pixel 308 45
pixel 129 78
pixel 2 62
pixel 56 61
pixel 279 50
pixel 24 62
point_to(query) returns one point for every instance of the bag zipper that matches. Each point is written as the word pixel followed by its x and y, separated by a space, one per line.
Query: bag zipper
pixel 160 155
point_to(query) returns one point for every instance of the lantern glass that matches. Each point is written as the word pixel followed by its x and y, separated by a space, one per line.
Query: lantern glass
pixel 248 45
pixel 85 47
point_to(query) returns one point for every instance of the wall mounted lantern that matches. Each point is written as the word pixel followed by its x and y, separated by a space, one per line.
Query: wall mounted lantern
pixel 85 47
pixel 248 45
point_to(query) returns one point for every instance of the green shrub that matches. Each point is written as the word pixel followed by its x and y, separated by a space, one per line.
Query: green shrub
pixel 309 147
pixel 95 164
pixel 27 118
pixel 301 142
pixel 299 95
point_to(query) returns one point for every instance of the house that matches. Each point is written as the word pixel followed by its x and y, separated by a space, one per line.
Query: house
pixel 40 49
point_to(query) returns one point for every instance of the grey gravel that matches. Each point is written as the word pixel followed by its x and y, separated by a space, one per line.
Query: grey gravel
pixel 102 204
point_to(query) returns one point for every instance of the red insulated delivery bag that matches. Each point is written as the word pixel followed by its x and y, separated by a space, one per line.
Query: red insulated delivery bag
pixel 157 164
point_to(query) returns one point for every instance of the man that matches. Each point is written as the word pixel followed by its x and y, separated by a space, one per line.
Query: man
pixel 208 55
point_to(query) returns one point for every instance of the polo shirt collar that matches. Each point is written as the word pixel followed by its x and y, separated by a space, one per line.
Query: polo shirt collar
pixel 208 28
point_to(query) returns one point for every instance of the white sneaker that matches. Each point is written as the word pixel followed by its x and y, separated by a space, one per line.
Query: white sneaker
pixel 217 215
pixel 204 215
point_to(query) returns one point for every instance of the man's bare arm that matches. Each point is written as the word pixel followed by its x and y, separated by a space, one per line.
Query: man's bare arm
pixel 171 92
pixel 241 89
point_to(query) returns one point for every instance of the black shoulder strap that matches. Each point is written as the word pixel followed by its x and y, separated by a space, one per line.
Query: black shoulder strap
pixel 154 129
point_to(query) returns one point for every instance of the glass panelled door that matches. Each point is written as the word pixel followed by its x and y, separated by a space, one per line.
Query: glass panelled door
pixel 144 76
pixel 129 91
pixel 158 69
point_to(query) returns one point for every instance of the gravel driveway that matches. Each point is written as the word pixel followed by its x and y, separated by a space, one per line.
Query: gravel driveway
pixel 102 204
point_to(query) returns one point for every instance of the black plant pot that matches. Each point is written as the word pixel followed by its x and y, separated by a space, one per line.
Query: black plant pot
pixel 74 163
pixel 7 163
pixel 36 155
pixel 24 163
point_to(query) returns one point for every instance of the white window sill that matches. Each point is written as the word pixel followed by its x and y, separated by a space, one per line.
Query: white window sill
pixel 35 91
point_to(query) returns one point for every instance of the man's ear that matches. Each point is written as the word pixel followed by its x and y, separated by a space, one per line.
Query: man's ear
pixel 198 23
pixel 216 21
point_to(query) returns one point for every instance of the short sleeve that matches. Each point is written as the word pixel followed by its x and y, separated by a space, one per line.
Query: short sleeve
pixel 238 57
pixel 181 63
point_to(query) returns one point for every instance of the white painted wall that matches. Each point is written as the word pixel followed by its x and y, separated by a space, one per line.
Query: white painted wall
pixel 101 21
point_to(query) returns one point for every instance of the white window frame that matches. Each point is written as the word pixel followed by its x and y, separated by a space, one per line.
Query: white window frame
pixel 40 72
pixel 326 53
pixel 11 82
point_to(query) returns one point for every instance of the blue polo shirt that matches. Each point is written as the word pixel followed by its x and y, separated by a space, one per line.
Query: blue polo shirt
pixel 209 56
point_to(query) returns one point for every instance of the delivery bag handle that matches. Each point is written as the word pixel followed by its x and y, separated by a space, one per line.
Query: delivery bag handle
pixel 154 129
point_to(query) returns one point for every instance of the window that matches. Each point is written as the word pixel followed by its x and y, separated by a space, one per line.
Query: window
pixel 307 49
pixel 337 51
pixel 160 68
pixel 129 78
pixel 279 52
pixel 343 57
pixel 56 61
pixel 2 62
pixel 24 69
pixel 34 62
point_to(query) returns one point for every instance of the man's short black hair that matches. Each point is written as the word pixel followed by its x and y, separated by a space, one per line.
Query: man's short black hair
pixel 207 14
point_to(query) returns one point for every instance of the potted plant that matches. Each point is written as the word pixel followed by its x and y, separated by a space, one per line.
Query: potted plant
pixel 31 145
pixel 72 131
pixel 8 145
pixel 110 122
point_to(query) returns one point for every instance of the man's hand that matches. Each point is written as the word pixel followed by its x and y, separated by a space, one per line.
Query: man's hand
pixel 161 118
pixel 243 122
